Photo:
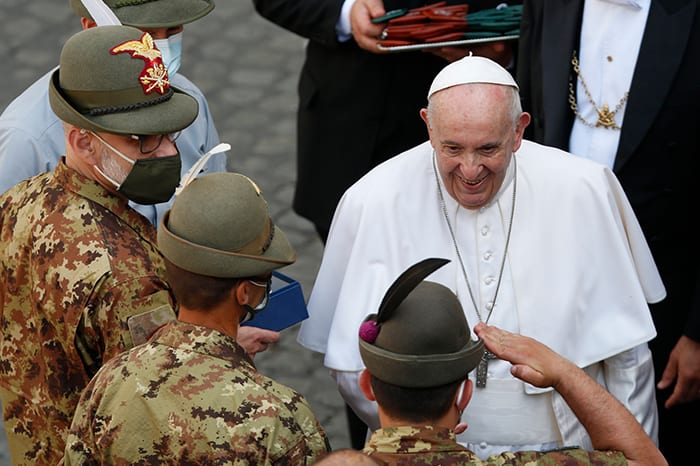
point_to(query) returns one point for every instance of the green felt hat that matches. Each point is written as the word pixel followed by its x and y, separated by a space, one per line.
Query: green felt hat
pixel 112 79
pixel 220 226
pixel 152 13
pixel 420 337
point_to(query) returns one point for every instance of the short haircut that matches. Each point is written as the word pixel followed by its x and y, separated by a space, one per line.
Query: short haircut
pixel 346 457
pixel 195 291
pixel 419 405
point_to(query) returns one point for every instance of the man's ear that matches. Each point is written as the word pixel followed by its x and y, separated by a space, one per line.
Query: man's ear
pixel 424 116
pixel 464 394
pixel 82 145
pixel 242 291
pixel 366 385
pixel 523 121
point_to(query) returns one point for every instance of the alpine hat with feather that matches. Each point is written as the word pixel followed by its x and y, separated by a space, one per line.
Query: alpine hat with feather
pixel 220 226
pixel 420 337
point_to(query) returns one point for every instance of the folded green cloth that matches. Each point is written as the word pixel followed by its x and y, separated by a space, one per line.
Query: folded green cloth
pixel 493 22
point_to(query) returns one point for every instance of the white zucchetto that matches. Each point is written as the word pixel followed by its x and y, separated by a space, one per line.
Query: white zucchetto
pixel 470 70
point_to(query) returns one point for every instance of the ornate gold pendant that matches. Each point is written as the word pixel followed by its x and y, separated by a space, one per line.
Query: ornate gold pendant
pixel 606 118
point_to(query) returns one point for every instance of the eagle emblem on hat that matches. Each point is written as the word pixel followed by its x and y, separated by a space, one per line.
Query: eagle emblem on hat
pixel 154 76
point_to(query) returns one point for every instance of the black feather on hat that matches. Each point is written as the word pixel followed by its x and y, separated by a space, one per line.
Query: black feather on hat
pixel 419 337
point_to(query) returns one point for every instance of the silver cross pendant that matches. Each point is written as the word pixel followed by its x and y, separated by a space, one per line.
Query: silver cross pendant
pixel 483 368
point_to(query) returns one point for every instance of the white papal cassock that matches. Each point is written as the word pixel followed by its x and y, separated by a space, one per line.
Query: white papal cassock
pixel 578 276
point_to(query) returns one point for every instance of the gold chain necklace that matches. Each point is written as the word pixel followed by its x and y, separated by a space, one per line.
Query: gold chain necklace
pixel 606 118
pixel 482 367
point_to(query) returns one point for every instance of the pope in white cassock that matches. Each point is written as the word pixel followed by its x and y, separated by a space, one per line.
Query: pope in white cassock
pixel 540 242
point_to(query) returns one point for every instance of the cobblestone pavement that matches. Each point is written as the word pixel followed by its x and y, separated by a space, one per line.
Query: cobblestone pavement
pixel 248 69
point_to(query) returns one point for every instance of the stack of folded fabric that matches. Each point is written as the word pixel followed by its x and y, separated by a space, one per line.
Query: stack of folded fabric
pixel 439 22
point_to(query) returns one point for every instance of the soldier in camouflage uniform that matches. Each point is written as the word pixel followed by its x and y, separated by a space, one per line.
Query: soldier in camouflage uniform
pixel 75 260
pixel 418 350
pixel 191 394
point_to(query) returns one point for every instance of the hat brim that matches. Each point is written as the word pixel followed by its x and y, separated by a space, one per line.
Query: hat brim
pixel 175 13
pixel 213 262
pixel 168 116
pixel 424 371
pixel 156 14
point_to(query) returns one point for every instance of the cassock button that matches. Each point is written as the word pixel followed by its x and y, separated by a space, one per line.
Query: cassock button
pixel 489 305
pixel 484 230
pixel 489 280
pixel 483 445
pixel 488 255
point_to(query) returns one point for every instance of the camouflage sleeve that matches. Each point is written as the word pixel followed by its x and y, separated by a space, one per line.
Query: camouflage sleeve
pixel 103 331
pixel 80 448
pixel 307 451
pixel 568 456
pixel 310 441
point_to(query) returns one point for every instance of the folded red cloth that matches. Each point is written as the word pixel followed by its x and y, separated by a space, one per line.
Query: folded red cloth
pixel 425 24
pixel 447 13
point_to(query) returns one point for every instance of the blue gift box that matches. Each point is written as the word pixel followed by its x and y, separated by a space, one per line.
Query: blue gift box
pixel 287 305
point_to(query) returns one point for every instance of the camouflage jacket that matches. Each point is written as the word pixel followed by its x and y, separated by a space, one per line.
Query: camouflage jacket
pixel 191 395
pixel 426 446
pixel 75 263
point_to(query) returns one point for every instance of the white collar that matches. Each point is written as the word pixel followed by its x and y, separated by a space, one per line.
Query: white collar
pixel 636 4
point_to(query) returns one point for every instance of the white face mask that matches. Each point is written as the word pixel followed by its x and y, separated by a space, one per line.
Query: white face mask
pixel 171 49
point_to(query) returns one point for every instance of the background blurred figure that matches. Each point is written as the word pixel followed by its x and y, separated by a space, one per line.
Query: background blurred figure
pixel 31 136
pixel 618 82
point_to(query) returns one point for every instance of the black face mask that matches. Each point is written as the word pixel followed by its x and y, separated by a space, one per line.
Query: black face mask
pixel 150 181
pixel 153 180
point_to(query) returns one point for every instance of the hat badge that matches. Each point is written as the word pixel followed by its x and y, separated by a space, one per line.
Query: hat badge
pixel 154 76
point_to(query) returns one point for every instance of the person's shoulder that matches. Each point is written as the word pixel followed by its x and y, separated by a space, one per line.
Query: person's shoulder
pixel 183 83
pixel 284 395
pixel 32 101
pixel 28 127
pixel 531 149
pixel 32 200
pixel 204 115
pixel 290 415
pixel 557 164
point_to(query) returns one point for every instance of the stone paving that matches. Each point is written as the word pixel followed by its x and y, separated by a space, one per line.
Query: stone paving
pixel 248 69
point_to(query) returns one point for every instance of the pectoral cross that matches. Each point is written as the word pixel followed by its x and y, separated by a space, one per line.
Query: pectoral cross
pixel 483 367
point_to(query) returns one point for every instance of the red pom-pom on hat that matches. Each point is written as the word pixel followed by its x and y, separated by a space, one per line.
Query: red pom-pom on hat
pixel 369 331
